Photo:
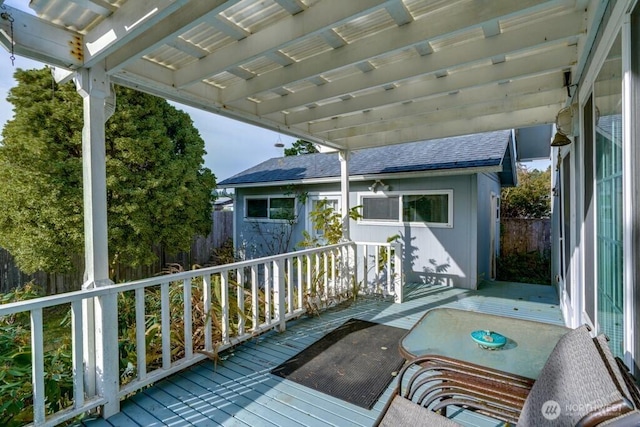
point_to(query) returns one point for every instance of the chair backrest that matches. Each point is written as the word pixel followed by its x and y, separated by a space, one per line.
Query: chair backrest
pixel 602 343
pixel 575 387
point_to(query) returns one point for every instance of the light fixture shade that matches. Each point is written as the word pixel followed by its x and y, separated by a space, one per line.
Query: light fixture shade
pixel 564 120
pixel 560 139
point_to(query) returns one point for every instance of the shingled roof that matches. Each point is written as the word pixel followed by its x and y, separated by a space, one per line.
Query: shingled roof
pixel 460 152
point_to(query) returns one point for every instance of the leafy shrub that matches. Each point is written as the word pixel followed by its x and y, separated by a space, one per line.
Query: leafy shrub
pixel 16 395
pixel 531 267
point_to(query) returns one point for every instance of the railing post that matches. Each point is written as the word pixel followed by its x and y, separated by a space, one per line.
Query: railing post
pixel 240 299
pixel 365 266
pixel 398 285
pixel 37 367
pixel 279 293
pixel 353 267
pixel 207 296
pixel 255 309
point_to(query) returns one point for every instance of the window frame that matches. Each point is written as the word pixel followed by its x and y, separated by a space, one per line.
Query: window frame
pixel 316 197
pixel 268 198
pixel 400 195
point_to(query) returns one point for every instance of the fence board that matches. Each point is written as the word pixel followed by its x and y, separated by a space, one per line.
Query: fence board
pixel 200 254
pixel 521 235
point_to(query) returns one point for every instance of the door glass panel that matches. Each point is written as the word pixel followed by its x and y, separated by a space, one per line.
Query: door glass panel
pixel 608 163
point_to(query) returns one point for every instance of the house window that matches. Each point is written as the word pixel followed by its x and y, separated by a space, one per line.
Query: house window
pixel 426 208
pixel 271 208
pixel 381 208
pixel 430 208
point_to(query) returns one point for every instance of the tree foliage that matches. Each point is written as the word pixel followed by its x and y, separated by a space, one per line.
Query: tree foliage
pixel 158 192
pixel 531 198
pixel 300 147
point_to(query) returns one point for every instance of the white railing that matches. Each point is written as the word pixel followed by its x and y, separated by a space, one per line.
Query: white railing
pixel 379 269
pixel 183 318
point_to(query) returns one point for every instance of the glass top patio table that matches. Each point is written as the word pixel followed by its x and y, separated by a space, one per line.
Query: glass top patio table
pixel 447 332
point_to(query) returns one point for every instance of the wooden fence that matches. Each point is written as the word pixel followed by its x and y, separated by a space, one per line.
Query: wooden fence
pixel 520 235
pixel 200 254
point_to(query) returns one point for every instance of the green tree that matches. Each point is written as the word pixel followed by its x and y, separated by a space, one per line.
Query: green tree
pixel 300 147
pixel 530 198
pixel 158 192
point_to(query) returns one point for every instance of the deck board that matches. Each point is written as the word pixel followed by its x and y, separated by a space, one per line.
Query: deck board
pixel 240 391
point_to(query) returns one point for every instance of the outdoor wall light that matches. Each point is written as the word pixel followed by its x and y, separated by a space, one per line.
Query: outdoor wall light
pixel 378 185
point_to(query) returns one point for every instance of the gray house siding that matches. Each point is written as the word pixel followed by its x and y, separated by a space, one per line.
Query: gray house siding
pixel 431 254
pixel 488 187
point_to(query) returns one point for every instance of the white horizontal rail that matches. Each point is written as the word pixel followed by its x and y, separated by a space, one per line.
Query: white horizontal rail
pixel 280 289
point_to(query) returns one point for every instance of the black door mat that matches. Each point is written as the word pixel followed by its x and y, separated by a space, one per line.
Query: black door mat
pixel 355 362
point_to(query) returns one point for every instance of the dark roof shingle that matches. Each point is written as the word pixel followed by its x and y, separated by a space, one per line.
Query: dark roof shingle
pixel 477 150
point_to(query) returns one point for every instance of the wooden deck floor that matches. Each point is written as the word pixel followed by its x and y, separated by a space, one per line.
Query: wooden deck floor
pixel 240 391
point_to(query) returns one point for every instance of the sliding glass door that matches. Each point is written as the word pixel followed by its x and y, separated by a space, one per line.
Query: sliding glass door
pixel 609 225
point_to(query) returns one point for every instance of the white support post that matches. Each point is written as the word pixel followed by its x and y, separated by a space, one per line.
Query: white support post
pixel 100 315
pixel 344 190
pixel 279 294
pixel 93 86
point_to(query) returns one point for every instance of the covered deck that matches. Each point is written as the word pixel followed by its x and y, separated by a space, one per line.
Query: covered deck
pixel 346 75
pixel 241 391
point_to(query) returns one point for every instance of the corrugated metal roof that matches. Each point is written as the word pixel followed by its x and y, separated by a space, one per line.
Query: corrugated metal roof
pixel 469 151
pixel 293 64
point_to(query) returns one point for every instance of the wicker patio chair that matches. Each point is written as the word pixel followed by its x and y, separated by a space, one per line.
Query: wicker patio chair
pixel 583 380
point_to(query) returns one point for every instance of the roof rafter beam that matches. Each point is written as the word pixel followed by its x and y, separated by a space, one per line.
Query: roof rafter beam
pixel 522 87
pixel 292 6
pixel 326 14
pixel 333 39
pixel 495 106
pixel 393 39
pixel 399 12
pixel 159 28
pixel 38 39
pixel 464 126
pixel 557 59
pixel 188 48
pixel 227 27
pixel 100 7
pixel 555 29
